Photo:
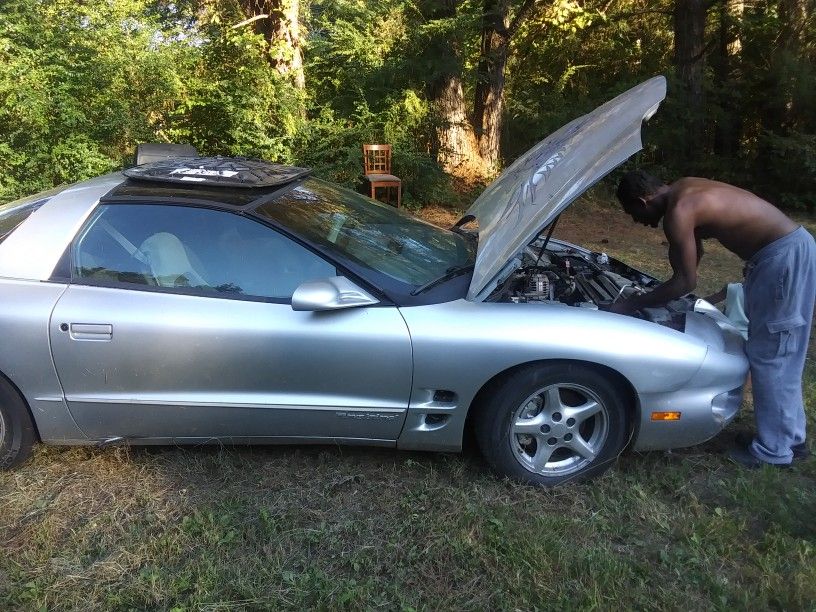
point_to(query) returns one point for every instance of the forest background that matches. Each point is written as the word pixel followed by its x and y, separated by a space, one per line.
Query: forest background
pixel 459 87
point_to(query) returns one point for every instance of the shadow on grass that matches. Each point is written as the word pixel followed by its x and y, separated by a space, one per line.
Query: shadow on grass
pixel 222 528
pixel 316 526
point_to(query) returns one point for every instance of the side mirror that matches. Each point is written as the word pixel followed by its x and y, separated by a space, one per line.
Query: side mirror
pixel 332 293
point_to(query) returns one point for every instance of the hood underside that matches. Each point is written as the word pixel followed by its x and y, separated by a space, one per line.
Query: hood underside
pixel 540 184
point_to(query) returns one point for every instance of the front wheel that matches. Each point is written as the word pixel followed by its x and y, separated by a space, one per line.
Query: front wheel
pixel 552 423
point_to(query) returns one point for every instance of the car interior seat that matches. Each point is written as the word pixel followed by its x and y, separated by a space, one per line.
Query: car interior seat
pixel 169 261
pixel 102 258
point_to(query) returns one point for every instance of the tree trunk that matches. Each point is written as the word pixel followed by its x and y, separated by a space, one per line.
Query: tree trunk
pixel 488 108
pixel 472 148
pixel 729 123
pixel 793 17
pixel 278 23
pixel 456 146
pixel 689 48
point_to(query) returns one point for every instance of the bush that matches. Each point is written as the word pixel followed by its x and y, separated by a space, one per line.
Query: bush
pixel 332 146
pixel 791 169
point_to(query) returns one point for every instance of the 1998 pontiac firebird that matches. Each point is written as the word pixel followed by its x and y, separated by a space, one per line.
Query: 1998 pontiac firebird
pixel 196 300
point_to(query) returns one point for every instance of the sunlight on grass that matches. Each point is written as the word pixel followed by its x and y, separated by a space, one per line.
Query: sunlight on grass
pixel 351 528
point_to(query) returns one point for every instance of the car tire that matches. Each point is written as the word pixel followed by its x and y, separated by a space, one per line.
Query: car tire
pixel 553 423
pixel 17 434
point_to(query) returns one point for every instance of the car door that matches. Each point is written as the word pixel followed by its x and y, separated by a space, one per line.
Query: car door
pixel 178 324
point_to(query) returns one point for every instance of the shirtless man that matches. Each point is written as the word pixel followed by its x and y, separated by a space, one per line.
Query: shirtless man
pixel 780 289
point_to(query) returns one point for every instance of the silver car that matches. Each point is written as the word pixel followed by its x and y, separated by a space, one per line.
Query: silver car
pixel 200 300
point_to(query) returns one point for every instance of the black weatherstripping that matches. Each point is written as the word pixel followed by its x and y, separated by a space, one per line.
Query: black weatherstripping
pixel 64 272
pixel 257 203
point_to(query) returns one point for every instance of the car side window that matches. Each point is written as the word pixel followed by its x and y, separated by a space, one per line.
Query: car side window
pixel 195 251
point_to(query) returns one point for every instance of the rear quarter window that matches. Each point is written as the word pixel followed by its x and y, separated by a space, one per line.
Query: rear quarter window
pixel 14 213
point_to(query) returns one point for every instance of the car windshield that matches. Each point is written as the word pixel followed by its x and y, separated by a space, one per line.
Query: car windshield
pixel 369 233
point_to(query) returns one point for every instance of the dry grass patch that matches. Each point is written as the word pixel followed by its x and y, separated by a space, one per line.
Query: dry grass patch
pixel 213 528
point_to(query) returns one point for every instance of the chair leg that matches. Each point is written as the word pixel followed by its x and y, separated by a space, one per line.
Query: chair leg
pixel 399 195
pixel 373 191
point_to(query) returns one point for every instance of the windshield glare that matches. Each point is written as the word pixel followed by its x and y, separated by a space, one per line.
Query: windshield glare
pixel 369 233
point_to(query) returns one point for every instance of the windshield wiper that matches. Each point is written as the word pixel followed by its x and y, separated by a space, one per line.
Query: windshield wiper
pixel 451 273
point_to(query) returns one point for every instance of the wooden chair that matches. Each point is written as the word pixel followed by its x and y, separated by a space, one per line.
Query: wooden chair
pixel 377 163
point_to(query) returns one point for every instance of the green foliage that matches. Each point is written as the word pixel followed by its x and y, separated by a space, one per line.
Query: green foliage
pixel 235 103
pixel 76 99
pixel 81 83
pixel 71 94
pixel 364 87
pixel 332 145
pixel 791 165
pixel 572 57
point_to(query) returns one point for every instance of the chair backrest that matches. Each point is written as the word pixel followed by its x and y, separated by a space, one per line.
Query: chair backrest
pixel 377 158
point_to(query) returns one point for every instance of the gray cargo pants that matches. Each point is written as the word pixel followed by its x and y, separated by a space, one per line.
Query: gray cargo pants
pixel 780 288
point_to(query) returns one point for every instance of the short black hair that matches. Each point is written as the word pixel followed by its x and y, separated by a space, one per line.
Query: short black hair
pixel 637 184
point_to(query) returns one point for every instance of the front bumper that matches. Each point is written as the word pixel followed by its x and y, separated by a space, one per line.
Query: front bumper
pixel 703 416
pixel 708 402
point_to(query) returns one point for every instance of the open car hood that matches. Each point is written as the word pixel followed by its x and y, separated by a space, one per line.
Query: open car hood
pixel 546 179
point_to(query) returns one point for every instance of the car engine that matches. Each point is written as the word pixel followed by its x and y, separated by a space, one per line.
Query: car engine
pixel 580 278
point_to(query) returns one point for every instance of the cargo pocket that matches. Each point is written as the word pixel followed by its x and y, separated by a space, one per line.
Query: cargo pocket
pixel 783 331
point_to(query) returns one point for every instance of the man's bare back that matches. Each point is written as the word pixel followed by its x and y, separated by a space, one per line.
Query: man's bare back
pixel 740 220
pixel 779 291
pixel 693 209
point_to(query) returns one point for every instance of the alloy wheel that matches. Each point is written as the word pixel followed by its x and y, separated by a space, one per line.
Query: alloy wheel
pixel 559 430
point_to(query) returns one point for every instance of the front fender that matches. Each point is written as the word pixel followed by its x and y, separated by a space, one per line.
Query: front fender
pixel 459 346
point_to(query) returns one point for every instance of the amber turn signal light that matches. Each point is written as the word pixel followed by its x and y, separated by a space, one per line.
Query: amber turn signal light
pixel 666 416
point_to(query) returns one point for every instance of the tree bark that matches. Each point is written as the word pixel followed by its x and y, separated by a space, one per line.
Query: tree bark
pixel 472 148
pixel 689 59
pixel 488 106
pixel 729 123
pixel 793 17
pixel 456 146
pixel 280 28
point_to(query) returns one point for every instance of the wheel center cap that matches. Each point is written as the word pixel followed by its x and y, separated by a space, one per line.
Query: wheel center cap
pixel 558 430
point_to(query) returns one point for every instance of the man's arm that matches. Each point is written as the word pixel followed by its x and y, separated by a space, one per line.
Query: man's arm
pixel 683 257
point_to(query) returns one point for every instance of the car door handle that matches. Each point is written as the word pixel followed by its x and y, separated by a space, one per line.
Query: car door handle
pixel 100 332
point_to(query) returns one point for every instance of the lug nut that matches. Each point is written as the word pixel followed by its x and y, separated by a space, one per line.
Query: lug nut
pixel 567 437
pixel 570 422
pixel 556 416
pixel 545 429
pixel 552 441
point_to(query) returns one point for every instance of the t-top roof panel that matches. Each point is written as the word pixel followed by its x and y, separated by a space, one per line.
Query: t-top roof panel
pixel 217 172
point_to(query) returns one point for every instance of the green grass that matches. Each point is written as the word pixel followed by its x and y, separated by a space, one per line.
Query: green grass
pixel 350 528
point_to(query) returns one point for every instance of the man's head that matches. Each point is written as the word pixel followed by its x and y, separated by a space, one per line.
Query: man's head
pixel 636 192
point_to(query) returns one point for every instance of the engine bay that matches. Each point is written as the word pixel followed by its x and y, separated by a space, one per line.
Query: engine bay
pixel 565 274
